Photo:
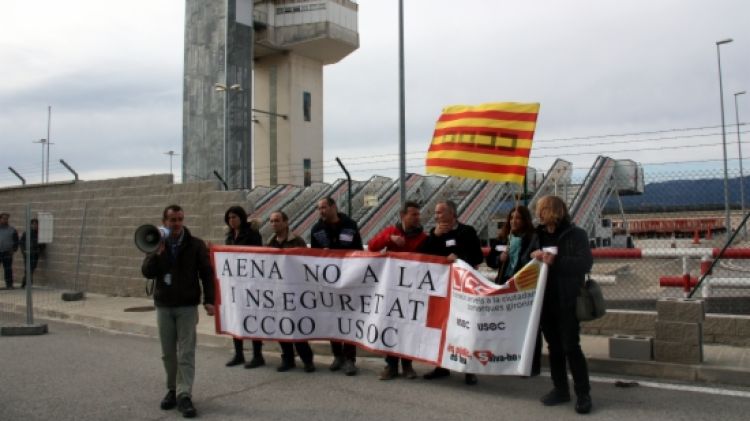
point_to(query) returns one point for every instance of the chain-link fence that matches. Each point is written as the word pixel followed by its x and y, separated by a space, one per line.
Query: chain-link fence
pixel 30 282
pixel 676 229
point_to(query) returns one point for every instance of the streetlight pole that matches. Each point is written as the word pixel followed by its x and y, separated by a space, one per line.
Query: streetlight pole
pixel 49 141
pixel 171 155
pixel 402 106
pixel 728 221
pixel 739 148
pixel 223 87
pixel 42 141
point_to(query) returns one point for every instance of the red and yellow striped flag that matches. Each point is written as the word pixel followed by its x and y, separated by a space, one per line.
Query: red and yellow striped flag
pixel 486 142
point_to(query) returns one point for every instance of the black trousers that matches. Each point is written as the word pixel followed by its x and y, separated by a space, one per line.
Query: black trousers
pixel 393 362
pixel 340 349
pixel 303 350
pixel 257 347
pixel 562 330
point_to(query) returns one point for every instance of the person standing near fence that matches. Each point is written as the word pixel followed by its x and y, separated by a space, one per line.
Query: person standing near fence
pixel 180 267
pixel 453 240
pixel 240 233
pixel 510 252
pixel 565 249
pixel 337 231
pixel 8 246
pixel 406 236
pixel 36 249
pixel 282 238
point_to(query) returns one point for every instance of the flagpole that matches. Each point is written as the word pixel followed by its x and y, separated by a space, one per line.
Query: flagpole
pixel 402 105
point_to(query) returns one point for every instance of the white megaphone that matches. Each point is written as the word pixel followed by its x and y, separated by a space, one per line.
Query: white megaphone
pixel 148 237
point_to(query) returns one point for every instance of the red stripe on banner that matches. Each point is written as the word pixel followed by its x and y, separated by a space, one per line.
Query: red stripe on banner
pixel 484 131
pixel 476 166
pixel 485 149
pixel 329 253
pixel 491 115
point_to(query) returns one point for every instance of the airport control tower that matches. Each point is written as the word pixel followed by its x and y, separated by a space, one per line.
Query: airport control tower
pixel 253 87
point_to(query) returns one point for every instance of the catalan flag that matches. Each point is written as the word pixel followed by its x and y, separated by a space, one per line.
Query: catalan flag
pixel 486 142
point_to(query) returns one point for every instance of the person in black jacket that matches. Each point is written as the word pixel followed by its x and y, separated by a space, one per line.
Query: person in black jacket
pixel 177 266
pixel 566 250
pixel 337 231
pixel 510 252
pixel 36 249
pixel 283 238
pixel 241 234
pixel 453 240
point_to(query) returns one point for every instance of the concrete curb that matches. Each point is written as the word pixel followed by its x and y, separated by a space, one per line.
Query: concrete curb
pixel 671 371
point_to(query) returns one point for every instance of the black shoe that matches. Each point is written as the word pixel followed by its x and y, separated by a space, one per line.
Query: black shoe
pixel 556 397
pixel 349 368
pixel 23 285
pixel 237 360
pixel 286 366
pixel 583 404
pixel 337 363
pixel 257 361
pixel 186 408
pixel 437 373
pixel 169 401
pixel 471 379
pixel 309 367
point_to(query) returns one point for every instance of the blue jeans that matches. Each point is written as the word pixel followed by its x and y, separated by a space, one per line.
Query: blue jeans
pixel 7 260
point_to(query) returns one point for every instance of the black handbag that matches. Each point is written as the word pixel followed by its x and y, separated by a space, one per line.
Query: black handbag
pixel 590 301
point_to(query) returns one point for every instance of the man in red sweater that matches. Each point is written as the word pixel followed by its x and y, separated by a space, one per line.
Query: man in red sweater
pixel 406 236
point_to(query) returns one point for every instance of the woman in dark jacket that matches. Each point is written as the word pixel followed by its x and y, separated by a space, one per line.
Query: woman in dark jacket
pixel 510 252
pixel 514 244
pixel 241 234
pixel 565 248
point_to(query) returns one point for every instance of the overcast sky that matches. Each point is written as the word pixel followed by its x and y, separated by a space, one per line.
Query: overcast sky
pixel 112 72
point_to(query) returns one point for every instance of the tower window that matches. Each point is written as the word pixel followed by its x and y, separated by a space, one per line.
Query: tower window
pixel 306 105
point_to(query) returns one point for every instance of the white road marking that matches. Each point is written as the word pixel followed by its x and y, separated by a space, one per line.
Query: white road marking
pixel 680 387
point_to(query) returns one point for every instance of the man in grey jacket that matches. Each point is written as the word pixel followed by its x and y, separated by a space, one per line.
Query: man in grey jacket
pixel 8 246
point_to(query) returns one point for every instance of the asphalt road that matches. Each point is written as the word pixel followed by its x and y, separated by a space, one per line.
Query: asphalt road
pixel 77 373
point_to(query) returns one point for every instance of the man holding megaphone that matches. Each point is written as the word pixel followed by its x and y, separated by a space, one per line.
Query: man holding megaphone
pixel 179 264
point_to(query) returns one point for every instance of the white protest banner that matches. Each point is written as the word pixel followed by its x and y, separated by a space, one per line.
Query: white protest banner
pixel 492 329
pixel 373 300
pixel 399 303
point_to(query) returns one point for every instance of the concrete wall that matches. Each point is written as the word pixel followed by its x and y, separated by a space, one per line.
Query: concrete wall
pixel 109 261
pixel 717 328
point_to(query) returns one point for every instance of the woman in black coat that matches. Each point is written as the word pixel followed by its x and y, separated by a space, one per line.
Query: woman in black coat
pixel 241 234
pixel 568 265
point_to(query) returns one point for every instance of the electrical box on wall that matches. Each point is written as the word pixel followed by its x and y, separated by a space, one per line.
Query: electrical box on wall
pixel 45 227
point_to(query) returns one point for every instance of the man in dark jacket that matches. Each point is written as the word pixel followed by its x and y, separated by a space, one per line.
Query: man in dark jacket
pixel 453 240
pixel 8 246
pixel 177 266
pixel 337 231
pixel 36 248
pixel 283 238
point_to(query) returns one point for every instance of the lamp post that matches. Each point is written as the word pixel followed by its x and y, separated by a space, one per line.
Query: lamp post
pixel 222 87
pixel 402 106
pixel 42 142
pixel 171 155
pixel 728 221
pixel 739 148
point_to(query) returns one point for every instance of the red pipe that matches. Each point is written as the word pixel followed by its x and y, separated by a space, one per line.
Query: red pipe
pixel 678 281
